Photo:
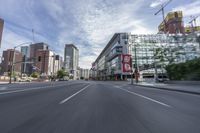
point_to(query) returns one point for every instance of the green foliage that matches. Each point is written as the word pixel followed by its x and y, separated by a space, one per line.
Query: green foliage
pixel 13 74
pixel 71 77
pixel 35 75
pixel 189 70
pixel 62 73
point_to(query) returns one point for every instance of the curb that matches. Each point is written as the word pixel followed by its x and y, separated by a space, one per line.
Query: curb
pixel 168 89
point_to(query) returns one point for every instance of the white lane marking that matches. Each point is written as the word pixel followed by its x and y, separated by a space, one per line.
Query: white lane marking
pixel 145 97
pixel 3 88
pixel 65 100
pixel 22 90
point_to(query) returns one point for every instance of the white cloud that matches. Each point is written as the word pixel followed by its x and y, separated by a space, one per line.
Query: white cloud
pixel 94 23
pixel 189 9
pixel 87 23
pixel 157 3
pixel 11 39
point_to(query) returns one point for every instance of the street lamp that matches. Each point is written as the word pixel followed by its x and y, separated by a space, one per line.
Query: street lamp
pixel 13 60
pixel 135 42
pixel 136 66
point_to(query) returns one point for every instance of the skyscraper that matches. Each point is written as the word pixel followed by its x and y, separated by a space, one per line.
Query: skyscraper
pixel 1 29
pixel 26 54
pixel 25 51
pixel 35 47
pixel 71 59
pixel 46 62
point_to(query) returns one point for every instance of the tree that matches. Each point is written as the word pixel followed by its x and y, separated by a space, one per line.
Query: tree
pixel 62 73
pixel 190 70
pixel 35 75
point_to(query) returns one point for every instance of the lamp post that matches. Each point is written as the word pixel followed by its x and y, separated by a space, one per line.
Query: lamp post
pixel 136 66
pixel 13 60
pixel 135 60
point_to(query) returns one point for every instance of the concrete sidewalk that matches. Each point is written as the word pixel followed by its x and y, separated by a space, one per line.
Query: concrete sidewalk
pixel 191 89
pixel 4 82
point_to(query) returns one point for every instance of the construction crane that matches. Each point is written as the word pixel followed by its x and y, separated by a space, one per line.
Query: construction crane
pixel 163 12
pixel 193 21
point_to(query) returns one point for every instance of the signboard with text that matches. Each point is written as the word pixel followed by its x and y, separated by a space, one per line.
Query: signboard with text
pixel 126 63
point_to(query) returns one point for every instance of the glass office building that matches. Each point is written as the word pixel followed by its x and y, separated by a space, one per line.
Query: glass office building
pixel 147 53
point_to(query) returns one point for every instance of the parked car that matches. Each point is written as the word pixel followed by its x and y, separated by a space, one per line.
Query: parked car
pixel 162 78
pixel 24 79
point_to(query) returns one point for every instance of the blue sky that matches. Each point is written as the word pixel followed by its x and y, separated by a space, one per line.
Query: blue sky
pixel 89 24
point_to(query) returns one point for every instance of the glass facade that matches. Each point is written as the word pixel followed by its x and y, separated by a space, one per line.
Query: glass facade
pixel 147 52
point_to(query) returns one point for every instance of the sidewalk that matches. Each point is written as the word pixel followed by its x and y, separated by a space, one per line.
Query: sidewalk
pixel 191 89
pixel 4 82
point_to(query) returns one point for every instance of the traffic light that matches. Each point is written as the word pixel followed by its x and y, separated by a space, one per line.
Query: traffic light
pixel 57 57
pixel 39 58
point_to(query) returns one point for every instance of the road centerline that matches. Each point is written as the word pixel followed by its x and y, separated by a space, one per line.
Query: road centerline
pixel 145 97
pixel 68 98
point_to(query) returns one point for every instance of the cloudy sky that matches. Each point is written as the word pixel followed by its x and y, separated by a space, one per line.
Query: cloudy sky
pixel 89 24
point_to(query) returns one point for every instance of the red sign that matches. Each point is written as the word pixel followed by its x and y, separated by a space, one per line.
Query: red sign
pixel 126 63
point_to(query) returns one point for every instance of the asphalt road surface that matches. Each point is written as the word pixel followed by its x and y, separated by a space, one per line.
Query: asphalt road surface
pixel 96 107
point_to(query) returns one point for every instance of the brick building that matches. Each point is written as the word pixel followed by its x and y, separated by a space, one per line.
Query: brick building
pixel 7 59
pixel 35 47
pixel 46 63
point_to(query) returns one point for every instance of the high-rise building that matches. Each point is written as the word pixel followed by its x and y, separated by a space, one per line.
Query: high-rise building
pixel 35 47
pixel 1 29
pixel 71 59
pixel 26 65
pixel 84 73
pixel 173 23
pixel 45 63
pixel 7 61
pixel 25 51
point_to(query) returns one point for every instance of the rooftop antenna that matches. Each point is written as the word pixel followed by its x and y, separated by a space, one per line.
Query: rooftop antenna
pixel 33 33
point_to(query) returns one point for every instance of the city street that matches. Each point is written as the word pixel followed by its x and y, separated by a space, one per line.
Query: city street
pixel 96 107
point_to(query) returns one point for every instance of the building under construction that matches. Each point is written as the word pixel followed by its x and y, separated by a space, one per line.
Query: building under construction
pixel 172 24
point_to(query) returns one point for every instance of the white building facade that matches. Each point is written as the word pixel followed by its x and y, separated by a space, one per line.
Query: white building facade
pixel 127 52
pixel 71 60
pixel 84 73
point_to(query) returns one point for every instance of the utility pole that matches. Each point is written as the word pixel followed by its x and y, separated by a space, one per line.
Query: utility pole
pixel 136 67
pixel 33 34
pixel 24 64
pixel 131 63
pixel 163 13
pixel 54 56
